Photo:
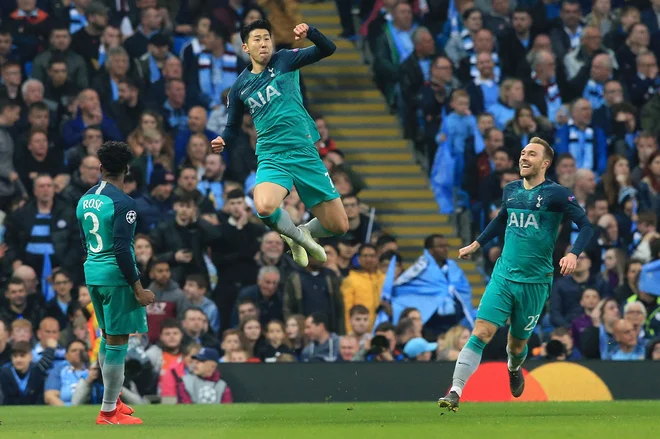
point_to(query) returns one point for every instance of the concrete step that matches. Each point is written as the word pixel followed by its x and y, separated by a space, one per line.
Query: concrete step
pixel 311 9
pixel 386 133
pixel 397 195
pixel 385 156
pixel 418 243
pixel 340 82
pixel 431 219
pixel 413 170
pixel 418 231
pixel 344 55
pixel 355 146
pixel 322 69
pixel 315 19
pixel 414 182
pixel 396 206
pixel 349 108
pixel 347 95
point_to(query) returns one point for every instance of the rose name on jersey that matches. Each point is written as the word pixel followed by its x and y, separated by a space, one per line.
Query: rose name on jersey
pixel 92 203
pixel 259 99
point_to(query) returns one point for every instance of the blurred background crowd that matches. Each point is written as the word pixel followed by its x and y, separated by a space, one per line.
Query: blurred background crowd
pixel 471 81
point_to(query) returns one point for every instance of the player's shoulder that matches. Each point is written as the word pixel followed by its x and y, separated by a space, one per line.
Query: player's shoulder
pixel 556 189
pixel 513 186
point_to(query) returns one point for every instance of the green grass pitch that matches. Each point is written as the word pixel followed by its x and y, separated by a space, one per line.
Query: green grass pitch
pixel 549 420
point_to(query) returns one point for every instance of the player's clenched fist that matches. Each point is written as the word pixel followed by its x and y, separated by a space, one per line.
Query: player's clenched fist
pixel 218 145
pixel 466 252
pixel 145 297
pixel 568 264
pixel 300 31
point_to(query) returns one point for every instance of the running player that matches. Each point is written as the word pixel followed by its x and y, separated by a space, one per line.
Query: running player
pixel 106 217
pixel 531 212
pixel 270 89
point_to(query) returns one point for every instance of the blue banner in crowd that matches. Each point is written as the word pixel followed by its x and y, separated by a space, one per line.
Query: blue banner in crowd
pixel 649 279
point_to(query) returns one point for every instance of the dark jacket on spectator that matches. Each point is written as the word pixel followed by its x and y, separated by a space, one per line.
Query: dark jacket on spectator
pixel 72 131
pixel 512 52
pixel 150 211
pixel 126 117
pixel 513 139
pixel 566 295
pixel 26 164
pixel 87 46
pixel 386 68
pixel 103 86
pixel 326 286
pixel 10 393
pixel 75 64
pixel 169 237
pixel 30 34
pixel 75 190
pixel 53 310
pixel 411 82
pixel 269 308
pixel 33 312
pixel 243 159
pixel 650 116
pixel 64 233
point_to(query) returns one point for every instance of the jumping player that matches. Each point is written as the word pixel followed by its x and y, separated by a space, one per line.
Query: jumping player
pixel 270 89
pixel 531 212
pixel 106 217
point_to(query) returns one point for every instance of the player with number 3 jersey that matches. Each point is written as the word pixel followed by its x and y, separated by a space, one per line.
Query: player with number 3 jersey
pixel 269 88
pixel 530 215
pixel 106 217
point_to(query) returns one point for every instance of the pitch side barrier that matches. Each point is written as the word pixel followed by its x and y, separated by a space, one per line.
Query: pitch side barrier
pixel 364 382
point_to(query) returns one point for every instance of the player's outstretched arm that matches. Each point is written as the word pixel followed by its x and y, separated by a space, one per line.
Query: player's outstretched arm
pixel 322 48
pixel 586 232
pixel 235 110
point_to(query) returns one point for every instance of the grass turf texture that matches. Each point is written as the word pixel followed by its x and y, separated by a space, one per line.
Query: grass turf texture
pixel 551 420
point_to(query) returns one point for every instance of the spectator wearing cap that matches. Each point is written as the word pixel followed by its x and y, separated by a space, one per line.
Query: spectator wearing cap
pixel 92 140
pixel 86 41
pixel 151 22
pixel 87 176
pixel 30 27
pixel 418 349
pixel 127 109
pixel 22 383
pixel 216 68
pixel 184 239
pixel 204 385
pixel 235 253
pixel 392 48
pixel 155 205
pixel 323 345
pixel 151 63
pixel 44 233
pixel 414 72
pixel 89 113
pixel 196 124
pixel 315 289
pixel 60 44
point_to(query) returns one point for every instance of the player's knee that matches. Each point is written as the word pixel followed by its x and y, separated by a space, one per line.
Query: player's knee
pixel 265 208
pixel 484 333
pixel 339 227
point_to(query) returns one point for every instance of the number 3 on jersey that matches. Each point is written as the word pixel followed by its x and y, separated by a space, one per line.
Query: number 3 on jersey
pixel 94 231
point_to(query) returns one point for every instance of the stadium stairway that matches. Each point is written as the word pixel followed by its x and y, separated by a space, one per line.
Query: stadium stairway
pixel 341 88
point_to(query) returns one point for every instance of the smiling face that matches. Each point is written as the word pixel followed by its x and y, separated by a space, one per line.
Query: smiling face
pixel 533 161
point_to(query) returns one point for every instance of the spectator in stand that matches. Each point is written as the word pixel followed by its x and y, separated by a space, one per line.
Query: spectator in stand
pixel 97 48
pixel 276 344
pixel 253 338
pixel 653 350
pixel 143 257
pixel 628 346
pixel 516 42
pixel 22 383
pixel 636 44
pixel 590 49
pixel 21 331
pixel 197 44
pixel 89 113
pixel 170 300
pixel 265 295
pixel 9 179
pixel 247 308
pixel 87 177
pixel 523 127
pixel 43 234
pixel 295 325
pixel 166 353
pixel 107 83
pixel 204 385
pixel 585 185
pixel 616 182
pixel 646 82
pixel 8 51
pixel 359 324
pixel 62 305
pixel 512 96
pixel 462 45
pixel 455 338
pixel 155 205
pixel 196 289
pixel 234 254
pixel 324 345
pixel 87 41
pixel 325 144
pixel 566 35
pixel 63 379
pixel 483 88
pixel 193 325
pixel 211 182
pixel 391 48
pixel 151 21
pixel 19 305
pixel 363 286
pixel 91 143
pixel 615 262
pixel 271 253
pixel 612 95
pixel 484 43
pixel 589 302
pixel 598 338
pixel 151 63
pixel 127 108
pixel 583 141
pixel 60 42
pixel 175 108
pixel 58 86
pixel 542 89
pixel 635 312
pixel 197 119
pixel 565 171
pixel 5 346
pixel 231 342
pixel 420 350
pixel 49 330
pixel 184 239
pixel 38 161
pixel 348 347
pixel 11 82
pixel 567 292
pixel 358 223
pixel 30 27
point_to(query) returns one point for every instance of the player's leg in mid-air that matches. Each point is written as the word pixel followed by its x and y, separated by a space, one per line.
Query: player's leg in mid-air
pixel 497 305
pixel 118 314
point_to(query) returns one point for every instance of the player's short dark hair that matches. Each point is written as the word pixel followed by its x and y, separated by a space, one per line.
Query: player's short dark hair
pixel 319 318
pixel 199 279
pixel 365 246
pixel 358 309
pixel 37 106
pixel 257 24
pixel 115 157
pixel 430 240
pixel 169 323
pixel 234 194
pixel 388 255
pixel 384 327
pixel 548 152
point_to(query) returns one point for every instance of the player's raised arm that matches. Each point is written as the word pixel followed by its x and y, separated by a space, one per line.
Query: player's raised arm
pixel 235 110
pixel 323 47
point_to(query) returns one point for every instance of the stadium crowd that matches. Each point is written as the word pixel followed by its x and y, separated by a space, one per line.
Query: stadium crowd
pixel 76 73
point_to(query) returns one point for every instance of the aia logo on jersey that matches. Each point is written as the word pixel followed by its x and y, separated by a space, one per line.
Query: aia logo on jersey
pixel 523 221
